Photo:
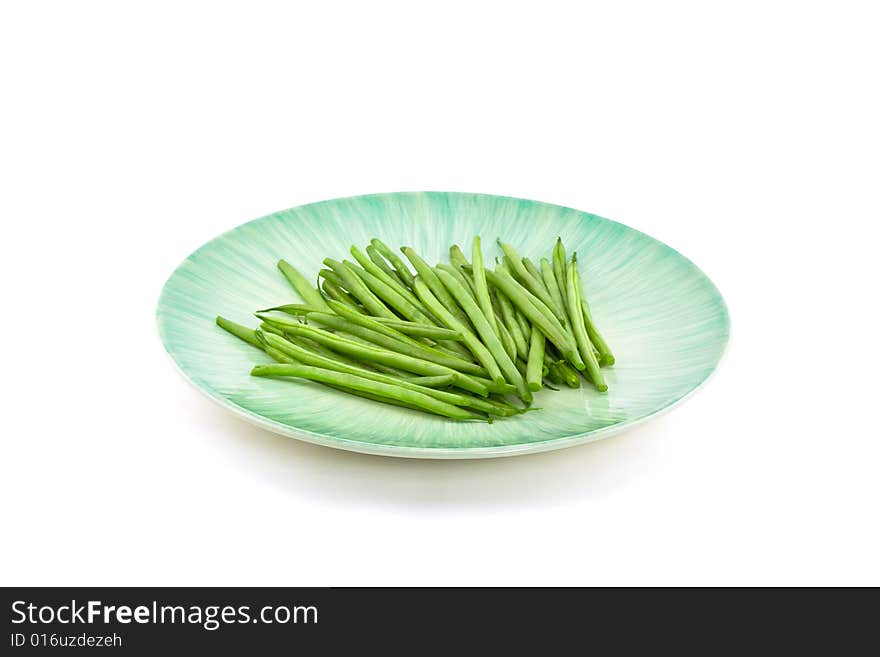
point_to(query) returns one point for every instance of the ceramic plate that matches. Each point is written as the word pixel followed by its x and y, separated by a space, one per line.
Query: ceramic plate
pixel 664 319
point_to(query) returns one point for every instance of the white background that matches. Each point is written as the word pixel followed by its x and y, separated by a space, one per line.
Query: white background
pixel 743 134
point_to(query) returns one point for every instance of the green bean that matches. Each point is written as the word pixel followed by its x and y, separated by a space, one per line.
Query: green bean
pixel 549 280
pixel 455 347
pixel 249 335
pixel 483 355
pixel 498 388
pixel 279 356
pixel 506 338
pixel 576 315
pixel 371 387
pixel 559 264
pixel 464 280
pixel 386 369
pixel 524 325
pixel 295 309
pixel 489 337
pixel 432 381
pixel 282 357
pixel 382 264
pixel 391 297
pixel 430 279
pixel 540 316
pixel 332 276
pixel 556 375
pixel 270 328
pixel 407 346
pixel 534 367
pixel 420 314
pixel 569 374
pixel 333 291
pixel 386 357
pixel 332 360
pixel 605 355
pixel 456 257
pixel 417 384
pixel 318 348
pixel 375 398
pixel 481 290
pixel 535 286
pixel 279 323
pixel 309 294
pixel 508 315
pixel 420 330
pixel 389 290
pixel 333 285
pixel 371 323
pixel 450 346
pixel 533 271
pixel 358 289
pixel 395 260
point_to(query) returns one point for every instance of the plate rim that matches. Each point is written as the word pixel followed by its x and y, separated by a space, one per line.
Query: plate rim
pixel 440 453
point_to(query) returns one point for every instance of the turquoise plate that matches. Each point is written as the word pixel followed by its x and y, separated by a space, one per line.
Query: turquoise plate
pixel 664 319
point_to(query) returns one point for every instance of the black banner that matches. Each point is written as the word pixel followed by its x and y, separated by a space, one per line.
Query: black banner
pixel 324 621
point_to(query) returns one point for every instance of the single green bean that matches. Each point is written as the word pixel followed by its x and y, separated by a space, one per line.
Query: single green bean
pixel 369 386
pixel 358 289
pixel 456 257
pixel 535 286
pixel 556 375
pixel 481 290
pixel 386 357
pixel 488 336
pixel 605 355
pixel 576 315
pixel 559 265
pixel 470 340
pixel 309 294
pixel 240 331
pixel 431 381
pixel 395 260
pixel 535 365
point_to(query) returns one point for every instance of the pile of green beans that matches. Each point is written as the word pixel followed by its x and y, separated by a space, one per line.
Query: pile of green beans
pixel 458 340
